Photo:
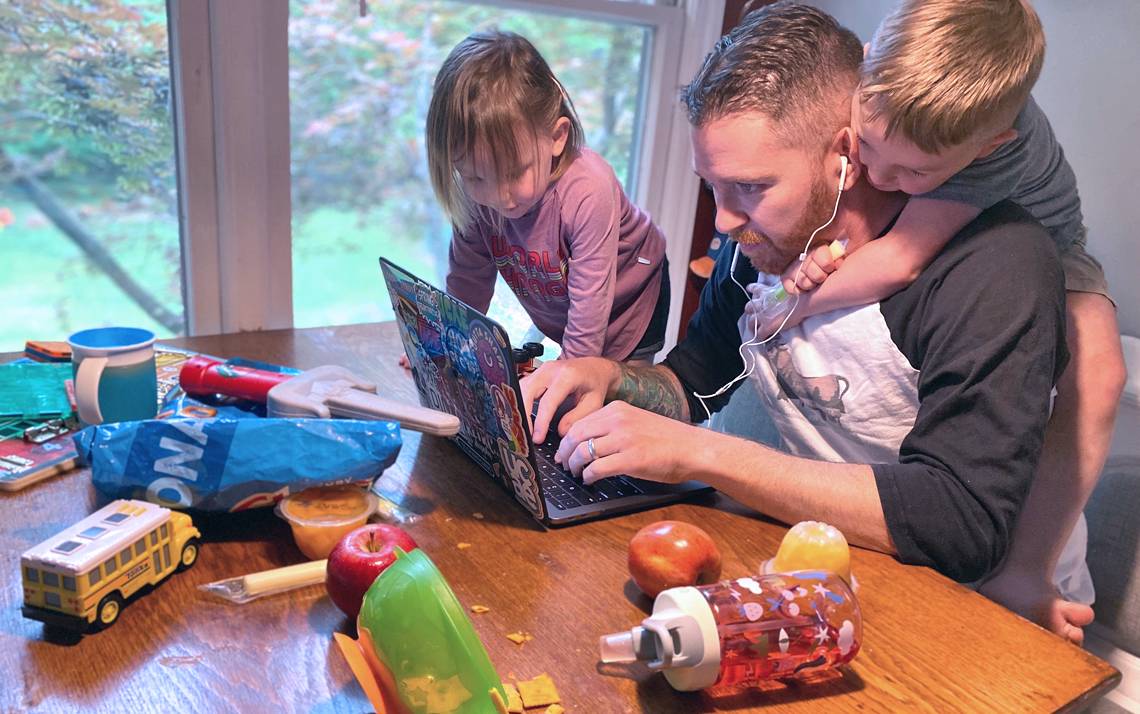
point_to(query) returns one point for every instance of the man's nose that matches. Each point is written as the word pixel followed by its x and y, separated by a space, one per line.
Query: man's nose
pixel 728 219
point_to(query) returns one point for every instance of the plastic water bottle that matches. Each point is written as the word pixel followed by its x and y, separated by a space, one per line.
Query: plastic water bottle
pixel 745 631
pixel 770 299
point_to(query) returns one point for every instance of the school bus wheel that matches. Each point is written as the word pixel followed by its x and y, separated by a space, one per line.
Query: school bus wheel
pixel 189 554
pixel 108 611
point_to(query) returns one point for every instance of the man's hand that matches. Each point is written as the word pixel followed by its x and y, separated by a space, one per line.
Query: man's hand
pixel 629 440
pixel 588 379
pixel 820 263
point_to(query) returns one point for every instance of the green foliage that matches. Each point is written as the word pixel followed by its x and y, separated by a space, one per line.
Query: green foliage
pixel 89 84
pixel 359 88
pixel 85 105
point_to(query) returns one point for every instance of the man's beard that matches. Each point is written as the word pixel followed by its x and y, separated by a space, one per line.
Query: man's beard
pixel 769 257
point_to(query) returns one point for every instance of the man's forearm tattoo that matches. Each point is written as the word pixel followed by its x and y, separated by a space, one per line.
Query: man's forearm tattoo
pixel 652 388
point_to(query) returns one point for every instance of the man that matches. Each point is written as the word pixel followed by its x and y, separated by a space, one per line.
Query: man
pixel 913 425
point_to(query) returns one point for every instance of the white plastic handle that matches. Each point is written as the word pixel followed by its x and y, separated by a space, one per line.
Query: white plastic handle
pixel 87 389
pixel 355 404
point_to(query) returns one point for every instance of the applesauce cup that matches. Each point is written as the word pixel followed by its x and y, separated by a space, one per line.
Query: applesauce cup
pixel 322 515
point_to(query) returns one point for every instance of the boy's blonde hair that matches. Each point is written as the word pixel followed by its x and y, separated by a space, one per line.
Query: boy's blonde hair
pixel 492 87
pixel 943 71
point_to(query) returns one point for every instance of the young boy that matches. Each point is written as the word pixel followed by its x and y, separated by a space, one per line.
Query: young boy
pixel 943 113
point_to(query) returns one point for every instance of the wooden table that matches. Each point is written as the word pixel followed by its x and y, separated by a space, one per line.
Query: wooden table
pixel 929 644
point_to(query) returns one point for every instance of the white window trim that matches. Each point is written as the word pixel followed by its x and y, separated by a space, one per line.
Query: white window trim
pixel 233 145
pixel 233 130
pixel 673 201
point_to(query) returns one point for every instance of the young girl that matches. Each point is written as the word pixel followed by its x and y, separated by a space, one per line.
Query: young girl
pixel 526 198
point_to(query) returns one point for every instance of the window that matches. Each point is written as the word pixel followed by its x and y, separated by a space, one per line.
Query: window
pixel 157 563
pixel 94 577
pixel 354 79
pixel 67 546
pixel 51 599
pixel 109 567
pixel 164 531
pixel 117 518
pixel 32 575
pixel 140 546
pixel 97 136
pixel 125 557
pixel 153 537
pixel 69 583
pixel 166 555
pixel 51 579
pixel 93 532
pixel 88 204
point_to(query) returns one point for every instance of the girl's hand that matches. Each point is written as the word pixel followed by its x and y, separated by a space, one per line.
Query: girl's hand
pixel 403 362
pixel 820 263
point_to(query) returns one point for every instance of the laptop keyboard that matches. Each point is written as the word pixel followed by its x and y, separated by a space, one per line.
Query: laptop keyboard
pixel 565 491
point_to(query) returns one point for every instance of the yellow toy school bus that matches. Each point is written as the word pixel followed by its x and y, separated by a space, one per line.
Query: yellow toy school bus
pixel 81 577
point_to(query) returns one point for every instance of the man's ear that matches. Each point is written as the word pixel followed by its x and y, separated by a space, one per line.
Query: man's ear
pixel 560 136
pixel 991 146
pixel 845 144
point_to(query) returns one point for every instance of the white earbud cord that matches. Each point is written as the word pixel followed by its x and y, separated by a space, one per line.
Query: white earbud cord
pixel 755 341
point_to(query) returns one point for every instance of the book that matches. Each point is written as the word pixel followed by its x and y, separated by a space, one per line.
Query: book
pixel 23 462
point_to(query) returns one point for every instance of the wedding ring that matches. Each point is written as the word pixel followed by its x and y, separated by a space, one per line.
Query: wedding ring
pixel 591 449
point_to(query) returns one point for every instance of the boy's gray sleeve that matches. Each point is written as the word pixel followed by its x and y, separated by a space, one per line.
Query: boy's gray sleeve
pixel 987 181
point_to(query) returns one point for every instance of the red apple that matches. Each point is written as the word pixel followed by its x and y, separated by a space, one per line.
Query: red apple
pixel 670 554
pixel 358 558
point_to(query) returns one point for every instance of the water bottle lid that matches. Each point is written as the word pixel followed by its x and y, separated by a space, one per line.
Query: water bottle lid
pixel 619 647
pixel 695 659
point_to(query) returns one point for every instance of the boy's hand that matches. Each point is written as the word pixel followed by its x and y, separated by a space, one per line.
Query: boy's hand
pixel 404 362
pixel 820 263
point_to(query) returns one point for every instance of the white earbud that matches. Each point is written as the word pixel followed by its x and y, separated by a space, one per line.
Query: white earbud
pixel 756 339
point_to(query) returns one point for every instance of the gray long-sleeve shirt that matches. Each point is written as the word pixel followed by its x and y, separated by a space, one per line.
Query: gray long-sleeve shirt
pixel 585 262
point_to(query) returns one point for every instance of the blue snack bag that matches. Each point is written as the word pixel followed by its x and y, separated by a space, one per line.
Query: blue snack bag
pixel 228 464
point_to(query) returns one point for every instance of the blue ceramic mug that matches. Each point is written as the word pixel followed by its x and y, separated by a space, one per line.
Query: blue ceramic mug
pixel 114 374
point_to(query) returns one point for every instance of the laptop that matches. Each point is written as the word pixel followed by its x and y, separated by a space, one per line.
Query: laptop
pixel 462 364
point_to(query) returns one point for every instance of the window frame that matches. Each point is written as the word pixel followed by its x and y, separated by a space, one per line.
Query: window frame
pixel 233 153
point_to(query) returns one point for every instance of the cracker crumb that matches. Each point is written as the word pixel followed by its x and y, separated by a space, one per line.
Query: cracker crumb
pixel 463 546
pixel 497 700
pixel 480 609
pixel 514 701
pixel 554 709
pixel 520 637
pixel 538 692
pixel 477 515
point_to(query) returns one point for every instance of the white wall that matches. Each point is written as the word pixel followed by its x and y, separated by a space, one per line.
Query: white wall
pixel 1090 88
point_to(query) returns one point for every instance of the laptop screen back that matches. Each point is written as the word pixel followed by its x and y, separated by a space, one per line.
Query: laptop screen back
pixel 461 362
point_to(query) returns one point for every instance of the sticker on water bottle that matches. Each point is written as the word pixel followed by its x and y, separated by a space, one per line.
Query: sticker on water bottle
pixel 753 611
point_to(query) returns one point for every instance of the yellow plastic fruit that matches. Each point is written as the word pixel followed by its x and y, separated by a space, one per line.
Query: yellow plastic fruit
pixel 811 545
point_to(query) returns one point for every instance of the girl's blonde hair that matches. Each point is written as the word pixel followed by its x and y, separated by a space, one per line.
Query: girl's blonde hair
pixel 493 86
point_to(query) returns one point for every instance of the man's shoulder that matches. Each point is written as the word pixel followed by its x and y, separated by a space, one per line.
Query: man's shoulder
pixel 1003 237
pixel 999 268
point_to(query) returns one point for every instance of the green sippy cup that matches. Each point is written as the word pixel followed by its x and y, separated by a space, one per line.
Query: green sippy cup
pixel 420 634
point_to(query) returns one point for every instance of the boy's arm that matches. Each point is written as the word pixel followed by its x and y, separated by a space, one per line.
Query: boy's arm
pixel 882 267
